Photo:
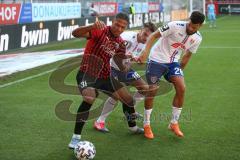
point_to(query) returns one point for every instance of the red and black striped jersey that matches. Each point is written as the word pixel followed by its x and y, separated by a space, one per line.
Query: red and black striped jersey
pixel 100 48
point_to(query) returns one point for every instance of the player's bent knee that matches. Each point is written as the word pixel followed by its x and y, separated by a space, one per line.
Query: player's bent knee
pixel 143 89
pixel 89 95
pixel 130 102
pixel 153 90
pixel 89 99
pixel 180 90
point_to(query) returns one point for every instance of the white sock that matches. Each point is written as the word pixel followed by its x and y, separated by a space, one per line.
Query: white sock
pixel 138 97
pixel 175 114
pixel 77 136
pixel 133 129
pixel 107 109
pixel 147 115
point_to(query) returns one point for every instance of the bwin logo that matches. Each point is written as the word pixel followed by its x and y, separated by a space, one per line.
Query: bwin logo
pixel 65 32
pixel 34 37
pixel 4 41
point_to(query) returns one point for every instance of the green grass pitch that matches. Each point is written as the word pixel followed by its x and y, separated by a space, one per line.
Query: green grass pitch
pixel 30 129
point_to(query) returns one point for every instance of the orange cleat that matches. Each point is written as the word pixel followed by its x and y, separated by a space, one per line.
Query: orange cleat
pixel 175 129
pixel 148 132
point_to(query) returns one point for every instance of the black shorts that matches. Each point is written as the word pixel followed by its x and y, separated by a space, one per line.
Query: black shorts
pixel 108 86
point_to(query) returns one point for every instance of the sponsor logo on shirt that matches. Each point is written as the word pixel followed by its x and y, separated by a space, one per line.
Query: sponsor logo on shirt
pixel 110 47
pixel 178 45
pixel 180 24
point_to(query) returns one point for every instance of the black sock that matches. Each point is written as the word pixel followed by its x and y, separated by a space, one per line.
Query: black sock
pixel 129 114
pixel 82 116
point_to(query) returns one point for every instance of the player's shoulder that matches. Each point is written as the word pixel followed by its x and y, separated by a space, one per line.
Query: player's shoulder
pixel 198 36
pixel 173 25
pixel 179 24
pixel 120 40
pixel 127 35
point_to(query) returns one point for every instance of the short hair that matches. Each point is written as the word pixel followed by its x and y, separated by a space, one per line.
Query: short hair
pixel 150 26
pixel 122 15
pixel 197 17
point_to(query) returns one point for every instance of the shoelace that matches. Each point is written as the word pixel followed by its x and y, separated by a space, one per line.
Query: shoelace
pixel 148 130
pixel 101 124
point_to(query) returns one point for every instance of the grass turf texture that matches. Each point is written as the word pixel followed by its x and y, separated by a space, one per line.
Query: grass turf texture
pixel 30 128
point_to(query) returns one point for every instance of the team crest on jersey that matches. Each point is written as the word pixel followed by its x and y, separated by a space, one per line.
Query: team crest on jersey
pixel 164 28
pixel 154 79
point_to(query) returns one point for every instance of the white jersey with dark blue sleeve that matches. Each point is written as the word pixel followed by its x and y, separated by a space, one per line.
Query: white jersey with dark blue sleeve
pixel 134 48
pixel 174 40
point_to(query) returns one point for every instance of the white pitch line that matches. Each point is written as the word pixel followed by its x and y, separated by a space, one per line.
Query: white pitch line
pixel 215 30
pixel 220 47
pixel 27 78
pixel 46 72
pixel 34 76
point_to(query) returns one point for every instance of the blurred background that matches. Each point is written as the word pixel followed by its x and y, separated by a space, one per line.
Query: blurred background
pixel 39 14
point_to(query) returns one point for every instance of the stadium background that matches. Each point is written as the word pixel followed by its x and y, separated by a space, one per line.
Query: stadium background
pixel 30 127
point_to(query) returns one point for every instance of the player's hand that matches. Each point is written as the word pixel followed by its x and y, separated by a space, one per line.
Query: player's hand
pixel 98 24
pixel 134 59
pixel 128 56
pixel 142 58
pixel 126 69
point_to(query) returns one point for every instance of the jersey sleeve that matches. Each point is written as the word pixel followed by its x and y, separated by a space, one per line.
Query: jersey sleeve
pixel 125 35
pixel 167 29
pixel 95 33
pixel 193 49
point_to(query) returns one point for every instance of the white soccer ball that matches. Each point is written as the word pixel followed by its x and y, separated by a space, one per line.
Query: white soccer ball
pixel 84 150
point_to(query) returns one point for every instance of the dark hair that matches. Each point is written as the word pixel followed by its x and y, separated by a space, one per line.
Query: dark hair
pixel 122 15
pixel 150 26
pixel 197 17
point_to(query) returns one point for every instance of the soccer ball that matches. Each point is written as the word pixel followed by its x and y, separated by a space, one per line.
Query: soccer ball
pixel 84 150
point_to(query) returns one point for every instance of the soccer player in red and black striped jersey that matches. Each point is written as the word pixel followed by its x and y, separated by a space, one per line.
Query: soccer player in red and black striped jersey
pixel 104 42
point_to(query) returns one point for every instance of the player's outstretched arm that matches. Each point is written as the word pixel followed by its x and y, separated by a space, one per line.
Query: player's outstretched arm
pixel 185 59
pixel 83 31
pixel 118 59
pixel 151 40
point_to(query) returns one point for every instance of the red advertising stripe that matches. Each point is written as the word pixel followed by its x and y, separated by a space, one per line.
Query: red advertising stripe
pixel 106 8
pixel 153 7
pixel 9 13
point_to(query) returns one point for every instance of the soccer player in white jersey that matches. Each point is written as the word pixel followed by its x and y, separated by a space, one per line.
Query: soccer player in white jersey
pixel 173 39
pixel 135 44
